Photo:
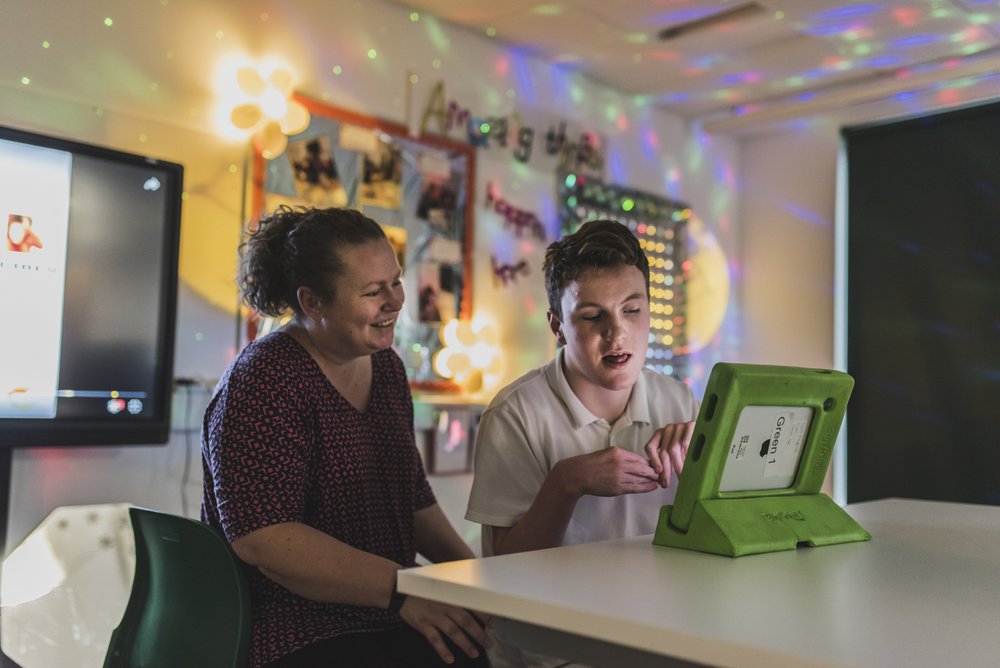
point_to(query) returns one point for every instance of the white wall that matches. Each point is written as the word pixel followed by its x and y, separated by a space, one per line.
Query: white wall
pixel 647 149
pixel 787 206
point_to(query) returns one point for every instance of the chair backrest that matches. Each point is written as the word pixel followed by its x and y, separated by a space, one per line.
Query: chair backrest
pixel 189 604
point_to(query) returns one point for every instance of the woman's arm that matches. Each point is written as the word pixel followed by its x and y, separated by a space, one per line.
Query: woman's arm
pixel 437 539
pixel 317 566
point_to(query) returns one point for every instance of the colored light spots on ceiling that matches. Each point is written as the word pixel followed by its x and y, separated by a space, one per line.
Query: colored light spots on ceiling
pixel 847 11
pixel 621 122
pixel 651 139
pixel 833 63
pixel 736 78
pixel 915 40
pixel 547 10
pixel 905 16
pixel 685 15
pixel 523 72
pixel 884 60
pixel 436 34
pixel 663 55
pixel 502 66
pixel 969 34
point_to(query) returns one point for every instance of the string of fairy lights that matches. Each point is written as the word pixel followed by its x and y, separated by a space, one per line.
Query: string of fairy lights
pixel 661 227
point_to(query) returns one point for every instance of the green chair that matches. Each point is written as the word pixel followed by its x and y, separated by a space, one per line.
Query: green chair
pixel 189 604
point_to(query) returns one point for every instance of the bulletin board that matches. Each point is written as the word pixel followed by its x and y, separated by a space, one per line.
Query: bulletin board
pixel 420 189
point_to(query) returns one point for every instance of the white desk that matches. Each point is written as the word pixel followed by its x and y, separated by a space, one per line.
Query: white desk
pixel 925 591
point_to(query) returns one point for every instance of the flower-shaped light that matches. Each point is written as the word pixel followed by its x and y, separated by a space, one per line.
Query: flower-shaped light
pixel 471 355
pixel 266 109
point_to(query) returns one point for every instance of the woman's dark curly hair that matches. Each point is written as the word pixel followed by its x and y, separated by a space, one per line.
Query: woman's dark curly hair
pixel 597 244
pixel 292 248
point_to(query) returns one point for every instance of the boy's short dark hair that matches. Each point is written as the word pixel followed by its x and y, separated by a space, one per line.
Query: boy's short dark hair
pixel 597 244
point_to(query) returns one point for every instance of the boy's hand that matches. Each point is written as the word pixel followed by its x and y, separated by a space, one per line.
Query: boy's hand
pixel 667 449
pixel 611 472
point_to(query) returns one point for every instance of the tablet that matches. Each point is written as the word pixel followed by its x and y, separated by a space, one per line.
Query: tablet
pixel 762 430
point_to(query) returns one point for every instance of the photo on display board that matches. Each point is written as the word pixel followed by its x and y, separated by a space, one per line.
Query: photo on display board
pixel 437 205
pixel 450 441
pixel 382 177
pixel 314 171
pixel 436 301
pixel 397 239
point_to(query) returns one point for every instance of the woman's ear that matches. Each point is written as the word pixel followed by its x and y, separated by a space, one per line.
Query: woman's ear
pixel 309 302
pixel 555 324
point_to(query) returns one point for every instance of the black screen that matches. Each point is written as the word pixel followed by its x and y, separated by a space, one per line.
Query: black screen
pixel 923 308
pixel 88 273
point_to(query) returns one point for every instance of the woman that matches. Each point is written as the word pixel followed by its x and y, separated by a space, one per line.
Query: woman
pixel 311 471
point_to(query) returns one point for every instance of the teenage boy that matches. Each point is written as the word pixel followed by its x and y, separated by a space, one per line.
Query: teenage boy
pixel 585 447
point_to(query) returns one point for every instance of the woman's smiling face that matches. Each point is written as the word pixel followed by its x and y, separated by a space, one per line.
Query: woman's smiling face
pixel 367 297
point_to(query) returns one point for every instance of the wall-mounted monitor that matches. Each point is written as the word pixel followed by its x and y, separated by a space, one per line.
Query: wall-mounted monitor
pixel 89 242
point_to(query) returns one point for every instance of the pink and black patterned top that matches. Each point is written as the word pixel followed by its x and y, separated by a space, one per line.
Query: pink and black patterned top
pixel 280 444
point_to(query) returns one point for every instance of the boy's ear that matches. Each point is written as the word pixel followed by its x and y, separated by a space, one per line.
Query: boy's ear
pixel 555 324
pixel 309 302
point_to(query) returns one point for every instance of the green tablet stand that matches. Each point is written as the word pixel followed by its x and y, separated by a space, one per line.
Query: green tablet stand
pixel 752 521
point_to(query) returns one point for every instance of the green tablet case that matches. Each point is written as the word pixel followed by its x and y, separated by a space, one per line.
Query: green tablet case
pixel 737 523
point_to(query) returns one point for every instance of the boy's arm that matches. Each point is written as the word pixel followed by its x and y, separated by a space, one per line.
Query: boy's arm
pixel 608 472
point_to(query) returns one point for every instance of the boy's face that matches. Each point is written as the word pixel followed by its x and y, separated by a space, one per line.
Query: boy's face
pixel 605 328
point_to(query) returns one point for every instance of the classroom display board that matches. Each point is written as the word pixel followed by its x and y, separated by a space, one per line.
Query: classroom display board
pixel 923 307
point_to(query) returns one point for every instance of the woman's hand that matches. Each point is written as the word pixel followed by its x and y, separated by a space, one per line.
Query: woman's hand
pixel 439 620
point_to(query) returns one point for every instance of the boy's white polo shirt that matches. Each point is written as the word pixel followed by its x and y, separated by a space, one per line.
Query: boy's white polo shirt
pixel 537 421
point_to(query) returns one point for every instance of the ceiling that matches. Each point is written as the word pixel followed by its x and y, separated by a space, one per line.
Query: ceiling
pixel 736 63
pixel 738 66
